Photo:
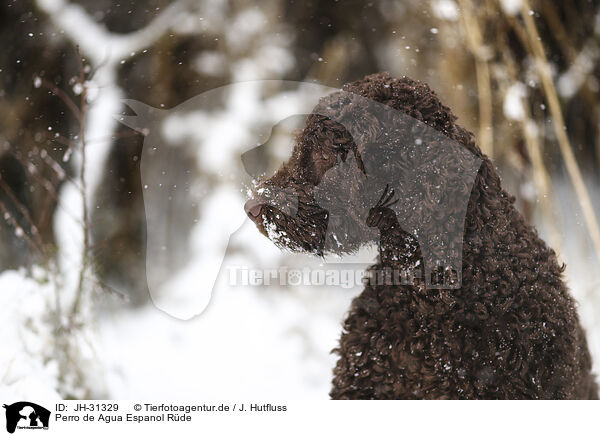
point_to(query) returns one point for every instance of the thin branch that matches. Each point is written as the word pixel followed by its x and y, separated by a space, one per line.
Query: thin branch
pixel 105 286
pixel 46 184
pixel 83 183
pixel 21 233
pixel 64 97
pixel 24 212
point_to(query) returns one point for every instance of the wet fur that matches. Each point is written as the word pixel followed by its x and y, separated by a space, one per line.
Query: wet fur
pixel 510 332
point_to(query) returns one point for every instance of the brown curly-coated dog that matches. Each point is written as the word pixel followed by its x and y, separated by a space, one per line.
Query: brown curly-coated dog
pixel 503 327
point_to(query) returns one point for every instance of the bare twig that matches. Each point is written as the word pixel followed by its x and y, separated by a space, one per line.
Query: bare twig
pixel 45 183
pixel 108 288
pixel 24 212
pixel 63 96
pixel 10 219
pixel 86 237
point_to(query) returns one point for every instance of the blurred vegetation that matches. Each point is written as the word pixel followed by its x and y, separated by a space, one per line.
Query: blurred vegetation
pixel 479 55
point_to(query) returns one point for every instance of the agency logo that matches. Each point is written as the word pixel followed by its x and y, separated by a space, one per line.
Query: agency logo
pixel 402 171
pixel 26 415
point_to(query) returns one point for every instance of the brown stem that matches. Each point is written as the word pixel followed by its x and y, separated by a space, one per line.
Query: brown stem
pixel 82 181
pixel 560 129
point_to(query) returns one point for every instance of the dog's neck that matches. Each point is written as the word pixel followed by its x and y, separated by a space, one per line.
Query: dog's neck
pixel 397 248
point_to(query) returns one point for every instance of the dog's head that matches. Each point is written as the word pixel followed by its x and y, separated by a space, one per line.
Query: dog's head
pixel 379 152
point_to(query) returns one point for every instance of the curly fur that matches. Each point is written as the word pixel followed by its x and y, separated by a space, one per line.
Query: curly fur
pixel 510 331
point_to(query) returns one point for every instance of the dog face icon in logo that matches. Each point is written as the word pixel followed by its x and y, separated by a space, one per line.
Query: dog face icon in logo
pixel 195 168
pixel 26 415
pixel 199 157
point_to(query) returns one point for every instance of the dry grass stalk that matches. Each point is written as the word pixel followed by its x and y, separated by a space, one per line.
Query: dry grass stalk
pixel 549 88
pixel 540 175
pixel 482 69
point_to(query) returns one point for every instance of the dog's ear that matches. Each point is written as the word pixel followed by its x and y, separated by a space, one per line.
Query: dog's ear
pixel 282 134
pixel 145 116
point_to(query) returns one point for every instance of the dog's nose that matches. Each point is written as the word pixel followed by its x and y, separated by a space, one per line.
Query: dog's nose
pixel 253 208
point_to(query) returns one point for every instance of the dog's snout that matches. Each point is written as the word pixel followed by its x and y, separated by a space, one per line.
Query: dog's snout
pixel 253 208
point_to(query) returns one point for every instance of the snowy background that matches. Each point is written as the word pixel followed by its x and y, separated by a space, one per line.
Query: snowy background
pixel 103 336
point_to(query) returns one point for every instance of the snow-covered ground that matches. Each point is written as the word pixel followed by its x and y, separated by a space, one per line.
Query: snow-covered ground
pixel 275 342
pixel 25 340
pixel 252 342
